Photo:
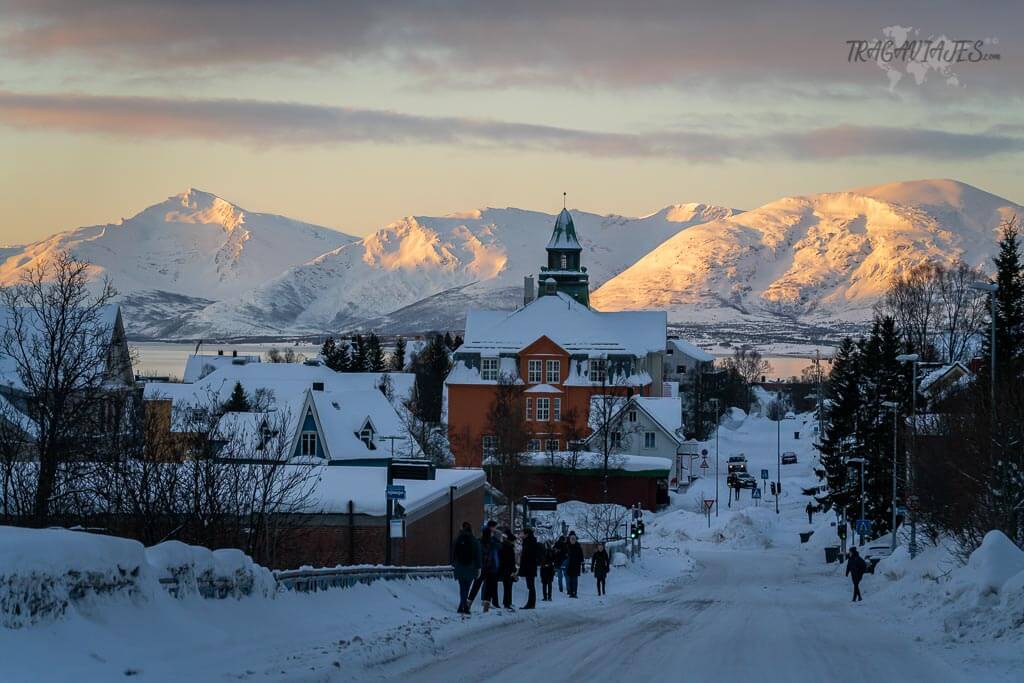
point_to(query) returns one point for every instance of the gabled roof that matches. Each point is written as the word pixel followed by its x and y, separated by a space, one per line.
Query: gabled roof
pixel 564 234
pixel 943 377
pixel 666 413
pixel 199 365
pixel 693 351
pixel 569 324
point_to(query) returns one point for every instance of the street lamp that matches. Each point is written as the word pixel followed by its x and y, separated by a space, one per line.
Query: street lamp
pixel 861 461
pixel 913 359
pixel 895 416
pixel 717 421
pixel 991 288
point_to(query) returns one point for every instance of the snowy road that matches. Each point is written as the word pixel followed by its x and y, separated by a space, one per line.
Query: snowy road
pixel 744 615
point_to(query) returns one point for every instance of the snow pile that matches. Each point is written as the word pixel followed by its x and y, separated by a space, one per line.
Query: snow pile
pixel 219 573
pixel 44 571
pixel 977 602
pixel 237 576
pixel 746 528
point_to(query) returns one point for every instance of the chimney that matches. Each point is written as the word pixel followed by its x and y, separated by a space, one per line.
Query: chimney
pixel 220 352
pixel 529 292
pixel 234 353
pixel 318 386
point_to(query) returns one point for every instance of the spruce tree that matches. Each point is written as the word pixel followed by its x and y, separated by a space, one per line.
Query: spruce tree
pixel 431 367
pixel 238 402
pixel 358 354
pixel 840 438
pixel 375 360
pixel 1009 310
pixel 397 363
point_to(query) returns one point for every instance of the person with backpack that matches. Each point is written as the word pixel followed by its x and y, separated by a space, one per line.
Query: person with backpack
pixel 855 568
pixel 466 564
pixel 547 571
pixel 599 566
pixel 507 569
pixel 573 564
pixel 528 561
pixel 559 557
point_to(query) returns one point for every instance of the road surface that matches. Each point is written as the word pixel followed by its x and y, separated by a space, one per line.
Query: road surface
pixel 742 616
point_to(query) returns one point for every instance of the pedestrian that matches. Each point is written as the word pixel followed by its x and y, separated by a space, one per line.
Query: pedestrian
pixel 560 560
pixel 810 512
pixel 466 564
pixel 573 564
pixel 599 566
pixel 507 569
pixel 855 568
pixel 547 571
pixel 486 536
pixel 528 561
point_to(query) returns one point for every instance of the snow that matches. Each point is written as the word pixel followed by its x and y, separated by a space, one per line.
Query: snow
pixel 667 412
pixel 692 350
pixel 198 366
pixel 334 486
pixel 590 460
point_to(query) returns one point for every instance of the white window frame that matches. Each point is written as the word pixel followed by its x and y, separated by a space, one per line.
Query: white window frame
pixel 366 436
pixel 307 444
pixel 551 445
pixel 534 371
pixel 616 439
pixel 529 408
pixel 650 440
pixel 554 372
pixel 632 417
pixel 533 445
pixel 489 444
pixel 598 370
pixel 543 409
pixel 556 409
pixel 489 369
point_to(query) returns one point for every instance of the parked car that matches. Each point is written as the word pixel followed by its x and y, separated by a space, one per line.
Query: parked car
pixel 737 463
pixel 876 551
pixel 789 458
pixel 741 479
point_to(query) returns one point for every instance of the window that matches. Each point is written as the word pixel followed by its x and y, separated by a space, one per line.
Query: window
pixel 680 369
pixel 551 445
pixel 616 439
pixel 632 416
pixel 565 262
pixel 554 371
pixel 597 370
pixel 543 409
pixel 533 446
pixel 308 443
pixel 533 369
pixel 529 408
pixel 649 440
pixel 489 368
pixel 490 444
pixel 366 436
pixel 556 409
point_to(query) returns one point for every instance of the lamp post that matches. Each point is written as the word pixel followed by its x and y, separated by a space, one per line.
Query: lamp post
pixel 913 359
pixel 991 288
pixel 892 405
pixel 715 401
pixel 861 461
pixel 780 415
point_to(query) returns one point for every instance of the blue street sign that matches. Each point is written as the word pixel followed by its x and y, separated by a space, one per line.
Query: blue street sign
pixel 863 526
pixel 395 492
pixel 764 474
pixel 757 493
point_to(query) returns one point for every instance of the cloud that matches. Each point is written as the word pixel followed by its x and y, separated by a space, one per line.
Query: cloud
pixel 262 123
pixel 446 42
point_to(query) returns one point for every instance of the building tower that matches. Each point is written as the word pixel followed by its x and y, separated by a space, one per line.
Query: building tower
pixel 564 263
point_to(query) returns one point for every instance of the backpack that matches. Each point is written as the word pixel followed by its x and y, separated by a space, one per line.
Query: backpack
pixel 464 550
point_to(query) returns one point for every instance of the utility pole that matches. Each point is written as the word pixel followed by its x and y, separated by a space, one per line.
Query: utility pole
pixel 717 425
pixel 913 359
pixel 895 417
pixel 991 288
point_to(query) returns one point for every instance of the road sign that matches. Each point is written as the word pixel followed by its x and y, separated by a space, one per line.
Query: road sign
pixel 395 492
pixel 756 494
pixel 704 452
pixel 764 474
pixel 863 526
pixel 708 504
pixel 704 465
pixel 397 528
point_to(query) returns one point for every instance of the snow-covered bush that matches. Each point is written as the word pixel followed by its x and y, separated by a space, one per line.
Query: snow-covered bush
pixel 44 571
pixel 236 575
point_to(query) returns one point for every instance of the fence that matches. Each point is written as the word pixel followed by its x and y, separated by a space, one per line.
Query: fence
pixel 312 580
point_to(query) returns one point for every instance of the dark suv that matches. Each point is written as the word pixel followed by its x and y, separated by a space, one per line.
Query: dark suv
pixel 742 480
pixel 789 458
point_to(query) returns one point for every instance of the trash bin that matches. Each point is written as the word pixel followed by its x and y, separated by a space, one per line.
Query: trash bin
pixel 831 554
pixel 806 536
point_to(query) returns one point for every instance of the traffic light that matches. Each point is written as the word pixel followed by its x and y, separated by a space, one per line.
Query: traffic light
pixel 640 528
pixel 633 531
pixel 773 489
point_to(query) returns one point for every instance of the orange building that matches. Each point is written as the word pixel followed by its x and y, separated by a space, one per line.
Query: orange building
pixel 557 347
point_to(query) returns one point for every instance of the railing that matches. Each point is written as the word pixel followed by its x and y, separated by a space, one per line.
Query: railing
pixel 312 580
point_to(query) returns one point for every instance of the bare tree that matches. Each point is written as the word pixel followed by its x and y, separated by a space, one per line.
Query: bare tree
pixel 912 299
pixel 507 429
pixel 58 339
pixel 749 366
pixel 289 355
pixel 961 313
pixel 611 436
pixel 602 522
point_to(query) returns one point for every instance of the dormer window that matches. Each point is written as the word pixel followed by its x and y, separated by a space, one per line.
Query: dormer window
pixel 308 444
pixel 366 435
pixel 598 370
pixel 489 369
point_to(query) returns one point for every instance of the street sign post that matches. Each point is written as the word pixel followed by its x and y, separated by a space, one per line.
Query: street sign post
pixel 863 529
pixel 764 474
pixel 756 495
pixel 395 492
pixel 708 504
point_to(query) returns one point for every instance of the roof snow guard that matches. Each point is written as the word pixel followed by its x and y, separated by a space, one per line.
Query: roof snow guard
pixel 564 235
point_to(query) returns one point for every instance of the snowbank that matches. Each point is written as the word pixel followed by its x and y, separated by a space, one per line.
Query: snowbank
pixel 44 572
pixel 745 528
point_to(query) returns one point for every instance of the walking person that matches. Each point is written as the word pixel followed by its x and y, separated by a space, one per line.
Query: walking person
pixel 466 564
pixel 488 568
pixel 810 512
pixel 528 562
pixel 573 564
pixel 599 566
pixel 560 559
pixel 507 569
pixel 547 571
pixel 855 568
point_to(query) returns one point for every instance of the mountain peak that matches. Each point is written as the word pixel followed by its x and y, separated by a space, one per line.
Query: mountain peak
pixel 930 192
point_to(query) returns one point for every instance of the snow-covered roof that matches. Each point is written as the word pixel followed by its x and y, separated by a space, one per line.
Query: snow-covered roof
pixel 591 460
pixel 569 324
pixel 342 415
pixel 199 365
pixel 464 374
pixel 952 372
pixel 365 486
pixel 693 351
pixel 667 412
pixel 564 234
pixel 17 418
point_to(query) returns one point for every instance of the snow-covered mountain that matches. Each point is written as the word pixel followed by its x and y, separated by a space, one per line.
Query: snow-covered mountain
pixel 433 266
pixel 816 258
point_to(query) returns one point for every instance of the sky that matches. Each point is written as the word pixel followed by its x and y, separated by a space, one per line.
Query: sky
pixel 352 115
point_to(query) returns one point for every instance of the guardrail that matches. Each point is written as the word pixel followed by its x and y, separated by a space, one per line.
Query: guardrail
pixel 312 580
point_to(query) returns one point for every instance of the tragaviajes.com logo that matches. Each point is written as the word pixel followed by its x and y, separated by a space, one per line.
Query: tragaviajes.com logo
pixel 903 52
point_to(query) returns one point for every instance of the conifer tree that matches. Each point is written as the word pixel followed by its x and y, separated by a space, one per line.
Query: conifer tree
pixel 431 367
pixel 840 438
pixel 238 402
pixel 375 360
pixel 397 363
pixel 358 361
pixel 1009 309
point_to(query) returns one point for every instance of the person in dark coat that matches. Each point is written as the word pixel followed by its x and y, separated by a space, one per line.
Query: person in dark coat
pixel 528 561
pixel 466 564
pixel 810 512
pixel 560 558
pixel 855 568
pixel 599 566
pixel 547 571
pixel 488 563
pixel 507 569
pixel 573 564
